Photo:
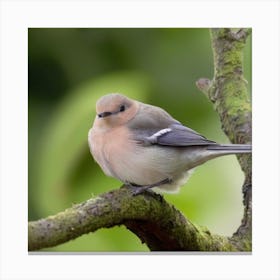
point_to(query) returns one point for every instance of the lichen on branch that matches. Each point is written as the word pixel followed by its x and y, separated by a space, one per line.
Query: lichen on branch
pixel 155 222
pixel 229 94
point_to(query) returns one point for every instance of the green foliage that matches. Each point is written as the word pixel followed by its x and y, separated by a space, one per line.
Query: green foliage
pixel 69 69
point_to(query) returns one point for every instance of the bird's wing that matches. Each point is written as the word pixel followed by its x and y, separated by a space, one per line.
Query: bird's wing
pixel 154 126
pixel 175 135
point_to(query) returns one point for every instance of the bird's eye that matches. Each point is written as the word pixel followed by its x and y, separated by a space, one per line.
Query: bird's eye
pixel 122 108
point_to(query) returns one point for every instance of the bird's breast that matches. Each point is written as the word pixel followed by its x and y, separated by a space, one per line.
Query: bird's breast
pixel 112 150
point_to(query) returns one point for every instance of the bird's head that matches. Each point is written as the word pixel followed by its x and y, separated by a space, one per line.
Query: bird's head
pixel 115 109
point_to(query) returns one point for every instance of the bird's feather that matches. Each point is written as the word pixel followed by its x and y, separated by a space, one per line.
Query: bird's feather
pixel 181 136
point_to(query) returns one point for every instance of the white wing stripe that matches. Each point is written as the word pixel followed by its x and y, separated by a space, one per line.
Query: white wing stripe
pixel 153 138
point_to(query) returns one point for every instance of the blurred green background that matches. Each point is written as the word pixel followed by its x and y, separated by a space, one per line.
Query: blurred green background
pixel 69 69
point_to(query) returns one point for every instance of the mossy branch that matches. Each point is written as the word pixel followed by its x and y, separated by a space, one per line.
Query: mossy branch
pixel 155 222
pixel 148 215
pixel 229 95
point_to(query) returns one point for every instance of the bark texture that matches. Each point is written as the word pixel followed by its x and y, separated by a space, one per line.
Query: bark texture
pixel 229 95
pixel 157 223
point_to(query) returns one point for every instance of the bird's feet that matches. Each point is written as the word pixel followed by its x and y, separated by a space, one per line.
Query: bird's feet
pixel 138 189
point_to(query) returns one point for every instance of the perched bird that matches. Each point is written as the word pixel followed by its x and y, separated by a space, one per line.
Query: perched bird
pixel 144 147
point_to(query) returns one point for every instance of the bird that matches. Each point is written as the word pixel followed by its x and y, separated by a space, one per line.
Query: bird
pixel 145 148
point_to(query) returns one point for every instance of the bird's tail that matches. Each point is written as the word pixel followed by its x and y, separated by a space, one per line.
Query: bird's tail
pixel 231 148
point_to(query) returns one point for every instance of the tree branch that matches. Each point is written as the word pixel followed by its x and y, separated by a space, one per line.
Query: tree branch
pixel 228 93
pixel 155 222
pixel 148 215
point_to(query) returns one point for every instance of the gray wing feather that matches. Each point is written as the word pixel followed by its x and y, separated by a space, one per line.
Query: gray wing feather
pixel 180 135
pixel 175 135
pixel 154 126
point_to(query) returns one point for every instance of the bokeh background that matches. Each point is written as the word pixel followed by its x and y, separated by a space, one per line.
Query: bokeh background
pixel 69 69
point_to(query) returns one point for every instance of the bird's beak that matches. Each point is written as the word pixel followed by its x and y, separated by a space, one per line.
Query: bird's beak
pixel 104 114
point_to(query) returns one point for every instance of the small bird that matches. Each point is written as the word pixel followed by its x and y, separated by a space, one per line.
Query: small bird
pixel 144 147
